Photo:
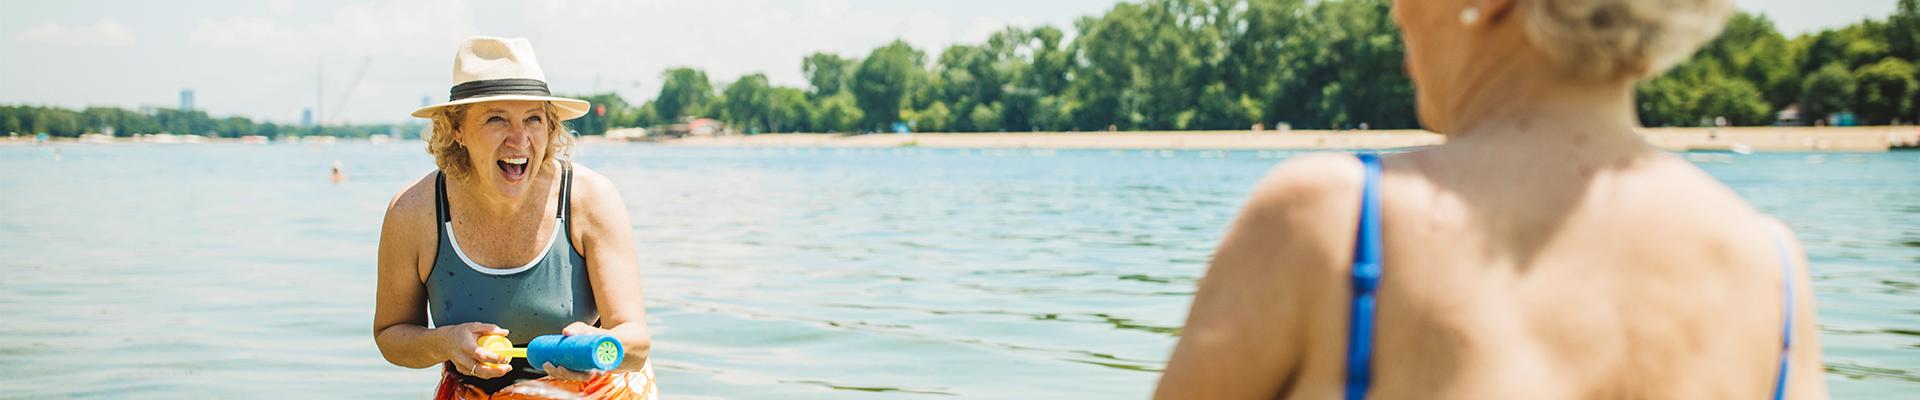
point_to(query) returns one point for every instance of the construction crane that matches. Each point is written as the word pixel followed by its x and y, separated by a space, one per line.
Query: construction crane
pixel 340 107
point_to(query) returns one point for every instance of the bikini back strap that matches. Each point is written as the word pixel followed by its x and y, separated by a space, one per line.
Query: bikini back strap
pixel 1366 281
pixel 1786 329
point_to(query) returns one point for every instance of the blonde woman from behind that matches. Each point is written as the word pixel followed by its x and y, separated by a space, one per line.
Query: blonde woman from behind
pixel 1545 251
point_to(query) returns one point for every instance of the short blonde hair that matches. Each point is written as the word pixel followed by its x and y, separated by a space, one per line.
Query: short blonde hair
pixel 1630 39
pixel 451 156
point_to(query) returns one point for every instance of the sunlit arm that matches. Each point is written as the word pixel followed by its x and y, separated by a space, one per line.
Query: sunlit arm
pixel 1246 332
pixel 400 316
pixel 606 235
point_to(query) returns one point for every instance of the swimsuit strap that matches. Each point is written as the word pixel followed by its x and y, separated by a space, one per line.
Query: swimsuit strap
pixel 440 197
pixel 1786 328
pixel 566 188
pixel 1366 281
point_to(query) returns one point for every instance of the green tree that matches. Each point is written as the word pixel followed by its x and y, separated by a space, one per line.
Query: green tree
pixel 967 77
pixel 649 115
pixel 838 113
pixel 1735 99
pixel 1049 74
pixel 1271 57
pixel 883 80
pixel 55 121
pixel 985 115
pixel 1903 31
pixel 1750 48
pixel 1885 91
pixel 1361 58
pixel 750 104
pixel 607 112
pixel 828 73
pixel 685 93
pixel 790 110
pixel 1666 101
pixel 1825 92
pixel 10 122
pixel 932 119
pixel 1114 86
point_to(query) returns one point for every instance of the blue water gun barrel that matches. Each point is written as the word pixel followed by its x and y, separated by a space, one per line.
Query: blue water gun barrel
pixel 578 352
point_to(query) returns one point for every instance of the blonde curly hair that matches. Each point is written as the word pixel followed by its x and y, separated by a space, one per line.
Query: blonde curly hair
pixel 1615 39
pixel 451 156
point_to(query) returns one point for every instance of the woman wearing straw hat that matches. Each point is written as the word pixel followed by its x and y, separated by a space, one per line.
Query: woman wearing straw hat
pixel 508 238
pixel 1545 251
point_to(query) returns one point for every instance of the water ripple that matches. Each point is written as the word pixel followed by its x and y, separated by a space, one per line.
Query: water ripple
pixel 769 273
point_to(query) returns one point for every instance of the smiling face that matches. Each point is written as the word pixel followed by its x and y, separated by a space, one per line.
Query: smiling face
pixel 507 144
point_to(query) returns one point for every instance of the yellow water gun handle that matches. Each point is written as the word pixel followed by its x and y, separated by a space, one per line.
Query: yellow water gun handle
pixel 500 345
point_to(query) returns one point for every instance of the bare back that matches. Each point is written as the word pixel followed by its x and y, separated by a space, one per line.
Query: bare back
pixel 1504 277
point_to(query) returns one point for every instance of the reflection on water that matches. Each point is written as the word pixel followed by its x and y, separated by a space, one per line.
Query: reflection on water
pixel 241 272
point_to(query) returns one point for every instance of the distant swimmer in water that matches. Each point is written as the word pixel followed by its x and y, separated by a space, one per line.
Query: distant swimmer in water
pixel 337 175
pixel 1546 250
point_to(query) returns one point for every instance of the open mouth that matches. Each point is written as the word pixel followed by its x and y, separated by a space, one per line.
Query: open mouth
pixel 514 169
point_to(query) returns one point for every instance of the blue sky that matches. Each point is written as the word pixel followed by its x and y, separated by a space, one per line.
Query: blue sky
pixel 261 58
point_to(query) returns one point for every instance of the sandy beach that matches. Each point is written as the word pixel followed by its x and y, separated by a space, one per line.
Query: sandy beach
pixel 1834 139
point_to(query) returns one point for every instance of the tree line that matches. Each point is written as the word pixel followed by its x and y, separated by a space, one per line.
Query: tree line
pixel 1232 64
pixel 56 121
pixel 1189 65
pixel 1151 65
pixel 1752 72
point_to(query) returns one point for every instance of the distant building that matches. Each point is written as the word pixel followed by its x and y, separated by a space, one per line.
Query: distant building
pixel 1789 116
pixel 627 133
pixel 186 99
pixel 706 127
pixel 695 127
pixel 306 117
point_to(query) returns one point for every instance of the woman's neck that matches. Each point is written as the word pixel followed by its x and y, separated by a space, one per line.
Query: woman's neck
pixel 479 197
pixel 1533 108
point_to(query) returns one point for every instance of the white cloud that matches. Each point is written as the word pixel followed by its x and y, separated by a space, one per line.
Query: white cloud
pixel 106 32
pixel 280 7
pixel 627 44
pixel 392 27
pixel 377 57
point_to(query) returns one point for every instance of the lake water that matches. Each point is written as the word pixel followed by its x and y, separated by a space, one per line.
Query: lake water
pixel 235 271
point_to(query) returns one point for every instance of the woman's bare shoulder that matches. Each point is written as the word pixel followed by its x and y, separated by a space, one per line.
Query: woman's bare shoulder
pixel 1307 205
pixel 590 188
pixel 1309 180
pixel 412 209
pixel 1669 190
pixel 1280 261
pixel 595 198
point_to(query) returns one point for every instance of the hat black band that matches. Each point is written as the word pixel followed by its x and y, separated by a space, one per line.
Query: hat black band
pixel 496 87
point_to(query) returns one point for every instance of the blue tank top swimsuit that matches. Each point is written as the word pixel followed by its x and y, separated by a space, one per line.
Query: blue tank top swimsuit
pixel 539 298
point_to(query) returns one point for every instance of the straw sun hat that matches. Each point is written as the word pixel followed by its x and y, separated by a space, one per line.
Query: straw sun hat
pixel 501 69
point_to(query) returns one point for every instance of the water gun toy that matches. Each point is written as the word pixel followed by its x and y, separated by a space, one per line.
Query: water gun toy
pixel 578 352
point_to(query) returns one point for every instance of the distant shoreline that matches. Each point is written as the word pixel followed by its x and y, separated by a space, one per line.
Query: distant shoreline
pixel 1758 139
pixel 1769 139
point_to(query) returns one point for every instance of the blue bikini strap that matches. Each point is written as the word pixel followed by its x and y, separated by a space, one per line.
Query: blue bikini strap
pixel 1786 330
pixel 1366 281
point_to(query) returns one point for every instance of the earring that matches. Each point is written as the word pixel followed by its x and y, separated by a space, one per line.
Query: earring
pixel 1470 16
